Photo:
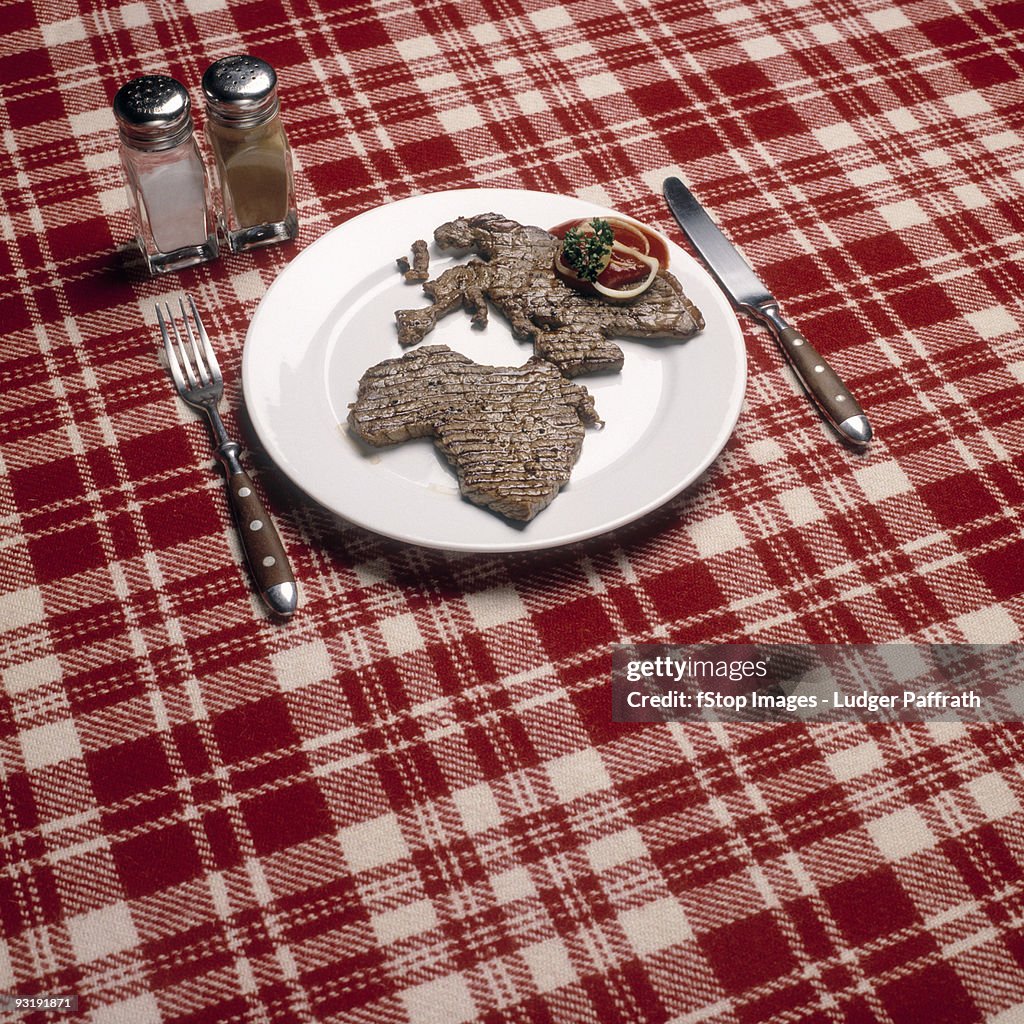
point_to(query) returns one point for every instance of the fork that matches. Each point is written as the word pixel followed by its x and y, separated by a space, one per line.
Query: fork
pixel 200 383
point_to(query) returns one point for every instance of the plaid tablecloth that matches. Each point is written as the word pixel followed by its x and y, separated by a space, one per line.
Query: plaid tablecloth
pixel 409 804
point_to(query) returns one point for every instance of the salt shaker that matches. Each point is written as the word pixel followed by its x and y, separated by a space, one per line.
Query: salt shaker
pixel 174 221
pixel 252 158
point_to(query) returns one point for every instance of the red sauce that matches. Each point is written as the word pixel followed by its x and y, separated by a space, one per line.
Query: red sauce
pixel 622 271
pixel 559 230
pixel 636 236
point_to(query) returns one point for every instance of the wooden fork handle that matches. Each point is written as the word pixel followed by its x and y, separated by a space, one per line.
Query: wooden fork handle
pixel 261 543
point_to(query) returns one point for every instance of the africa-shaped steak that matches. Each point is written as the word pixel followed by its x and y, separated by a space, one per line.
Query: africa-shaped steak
pixel 517 274
pixel 512 433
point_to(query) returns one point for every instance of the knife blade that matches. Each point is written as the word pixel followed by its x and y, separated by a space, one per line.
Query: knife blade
pixel 748 294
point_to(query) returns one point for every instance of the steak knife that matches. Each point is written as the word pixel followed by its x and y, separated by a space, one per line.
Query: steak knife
pixel 748 294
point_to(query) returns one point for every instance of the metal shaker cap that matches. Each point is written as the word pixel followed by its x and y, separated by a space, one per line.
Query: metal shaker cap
pixel 240 90
pixel 153 112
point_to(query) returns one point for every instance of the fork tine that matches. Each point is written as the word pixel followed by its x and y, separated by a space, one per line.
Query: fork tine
pixel 201 367
pixel 211 358
pixel 172 357
pixel 182 352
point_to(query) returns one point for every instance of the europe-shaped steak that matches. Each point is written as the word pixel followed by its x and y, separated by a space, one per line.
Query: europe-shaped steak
pixel 516 273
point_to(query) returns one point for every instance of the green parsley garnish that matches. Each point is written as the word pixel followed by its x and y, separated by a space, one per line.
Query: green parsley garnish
pixel 585 253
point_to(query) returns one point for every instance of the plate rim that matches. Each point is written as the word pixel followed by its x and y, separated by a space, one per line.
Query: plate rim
pixel 515 544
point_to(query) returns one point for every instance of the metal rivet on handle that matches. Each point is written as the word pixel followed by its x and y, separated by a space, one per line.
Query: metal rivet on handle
pixel 269 561
pixel 244 492
pixel 256 524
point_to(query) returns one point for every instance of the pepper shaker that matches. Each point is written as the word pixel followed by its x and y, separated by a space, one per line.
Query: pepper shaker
pixel 252 158
pixel 174 222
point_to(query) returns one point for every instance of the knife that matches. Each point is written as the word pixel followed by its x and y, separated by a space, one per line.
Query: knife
pixel 748 294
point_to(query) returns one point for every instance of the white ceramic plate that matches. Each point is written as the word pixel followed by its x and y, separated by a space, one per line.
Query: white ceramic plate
pixel 330 315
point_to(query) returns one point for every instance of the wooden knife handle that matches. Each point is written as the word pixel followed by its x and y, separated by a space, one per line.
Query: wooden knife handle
pixel 822 384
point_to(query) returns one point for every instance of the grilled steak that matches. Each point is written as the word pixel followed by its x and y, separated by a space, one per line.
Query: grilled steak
pixel 512 433
pixel 517 274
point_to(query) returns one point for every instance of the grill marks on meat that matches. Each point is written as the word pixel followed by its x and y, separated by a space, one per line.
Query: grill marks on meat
pixel 516 273
pixel 512 433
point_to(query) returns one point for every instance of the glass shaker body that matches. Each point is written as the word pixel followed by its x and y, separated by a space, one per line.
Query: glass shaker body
pixel 252 158
pixel 168 192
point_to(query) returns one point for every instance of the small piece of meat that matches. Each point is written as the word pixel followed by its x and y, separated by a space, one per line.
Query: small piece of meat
pixel 419 269
pixel 516 273
pixel 512 433
pixel 420 262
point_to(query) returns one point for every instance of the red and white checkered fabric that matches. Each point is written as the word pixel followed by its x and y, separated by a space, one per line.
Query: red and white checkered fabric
pixel 410 804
